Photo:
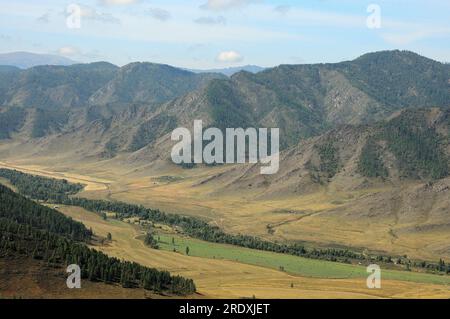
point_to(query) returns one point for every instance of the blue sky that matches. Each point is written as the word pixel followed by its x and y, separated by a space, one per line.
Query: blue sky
pixel 224 33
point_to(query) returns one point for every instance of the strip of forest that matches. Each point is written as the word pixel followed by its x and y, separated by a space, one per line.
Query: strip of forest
pixel 29 229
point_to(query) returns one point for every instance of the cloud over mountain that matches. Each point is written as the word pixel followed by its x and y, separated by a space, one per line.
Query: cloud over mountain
pixel 229 57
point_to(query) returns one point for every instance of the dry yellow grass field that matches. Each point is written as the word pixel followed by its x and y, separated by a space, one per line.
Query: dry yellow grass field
pixel 91 183
pixel 229 279
pixel 317 218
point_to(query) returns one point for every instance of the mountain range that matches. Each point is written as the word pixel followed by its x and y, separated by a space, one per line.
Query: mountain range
pixel 381 121
pixel 302 100
pixel 232 70
pixel 24 60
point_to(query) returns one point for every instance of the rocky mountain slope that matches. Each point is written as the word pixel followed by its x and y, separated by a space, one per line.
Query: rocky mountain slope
pixel 412 145
pixel 107 111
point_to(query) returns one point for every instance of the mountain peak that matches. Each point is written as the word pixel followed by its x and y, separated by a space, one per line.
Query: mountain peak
pixel 153 67
pixel 393 56
pixel 25 60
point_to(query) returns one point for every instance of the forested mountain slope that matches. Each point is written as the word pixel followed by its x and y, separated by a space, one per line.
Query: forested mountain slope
pixel 134 107
pixel 344 118
pixel 30 230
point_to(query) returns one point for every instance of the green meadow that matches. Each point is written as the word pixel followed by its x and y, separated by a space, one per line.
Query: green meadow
pixel 291 264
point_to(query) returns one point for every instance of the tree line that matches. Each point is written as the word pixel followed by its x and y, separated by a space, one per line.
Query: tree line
pixel 197 228
pixel 370 163
pixel 418 148
pixel 39 187
pixel 15 208
pixel 32 230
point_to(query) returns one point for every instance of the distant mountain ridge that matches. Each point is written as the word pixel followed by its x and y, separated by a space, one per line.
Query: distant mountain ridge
pixel 307 100
pixel 133 108
pixel 25 60
pixel 149 83
pixel 52 86
pixel 232 70
pixel 98 83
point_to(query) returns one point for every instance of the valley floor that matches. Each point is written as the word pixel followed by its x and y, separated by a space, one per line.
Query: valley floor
pixel 325 218
pixel 227 278
pixel 230 275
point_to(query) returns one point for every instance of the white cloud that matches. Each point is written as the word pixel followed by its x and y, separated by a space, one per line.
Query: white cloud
pixel 68 51
pixel 159 14
pixel 90 13
pixel 211 20
pixel 218 5
pixel 229 57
